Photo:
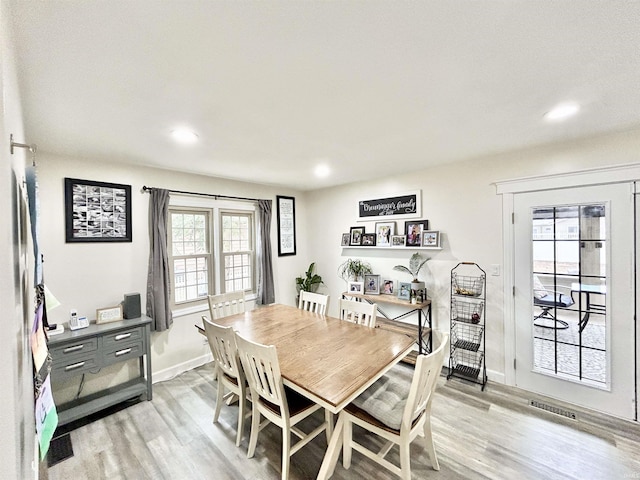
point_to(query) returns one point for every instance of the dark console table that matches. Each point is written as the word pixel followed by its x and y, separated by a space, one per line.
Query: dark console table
pixel 90 349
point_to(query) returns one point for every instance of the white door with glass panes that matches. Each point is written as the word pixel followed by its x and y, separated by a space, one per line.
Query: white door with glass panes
pixel 574 308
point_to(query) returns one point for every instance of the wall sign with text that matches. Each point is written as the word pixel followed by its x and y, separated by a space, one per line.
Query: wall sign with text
pixel 286 225
pixel 406 205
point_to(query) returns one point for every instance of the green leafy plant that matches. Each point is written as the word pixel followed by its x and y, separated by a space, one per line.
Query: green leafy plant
pixel 310 281
pixel 415 264
pixel 353 269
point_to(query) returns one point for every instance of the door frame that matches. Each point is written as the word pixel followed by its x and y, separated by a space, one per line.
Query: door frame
pixel 508 188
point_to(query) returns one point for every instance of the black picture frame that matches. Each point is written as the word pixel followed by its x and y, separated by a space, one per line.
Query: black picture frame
pixel 355 236
pixel 369 239
pixel 413 230
pixel 286 215
pixel 97 211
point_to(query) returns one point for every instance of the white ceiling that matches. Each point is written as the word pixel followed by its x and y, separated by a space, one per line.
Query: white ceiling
pixel 274 87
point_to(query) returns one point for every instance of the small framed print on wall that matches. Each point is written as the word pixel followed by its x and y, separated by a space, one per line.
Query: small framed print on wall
pixel 97 211
pixel 286 210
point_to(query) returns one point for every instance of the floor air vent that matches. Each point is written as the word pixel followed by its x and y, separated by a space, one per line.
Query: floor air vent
pixel 553 409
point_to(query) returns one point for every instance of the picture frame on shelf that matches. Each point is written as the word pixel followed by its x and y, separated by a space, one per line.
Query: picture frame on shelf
pixel 355 236
pixel 355 287
pixel 404 291
pixel 430 238
pixel 371 284
pixel 387 287
pixel 384 232
pixel 398 241
pixel 346 238
pixel 368 239
pixel 97 211
pixel 413 230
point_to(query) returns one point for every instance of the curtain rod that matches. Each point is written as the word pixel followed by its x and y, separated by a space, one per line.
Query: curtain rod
pixel 213 195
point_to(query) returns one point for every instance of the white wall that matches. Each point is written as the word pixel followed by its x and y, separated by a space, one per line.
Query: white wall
pixel 87 276
pixel 460 201
pixel 17 455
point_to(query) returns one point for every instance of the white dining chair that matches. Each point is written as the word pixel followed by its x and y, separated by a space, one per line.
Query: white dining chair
pixel 277 403
pixel 362 313
pixel 397 408
pixel 222 341
pixel 226 304
pixel 313 302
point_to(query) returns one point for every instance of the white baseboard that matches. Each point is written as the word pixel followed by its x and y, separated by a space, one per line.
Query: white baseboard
pixel 176 370
pixel 496 377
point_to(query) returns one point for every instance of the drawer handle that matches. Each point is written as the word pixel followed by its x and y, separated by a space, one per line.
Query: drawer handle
pixel 75 348
pixel 74 366
pixel 123 352
pixel 122 336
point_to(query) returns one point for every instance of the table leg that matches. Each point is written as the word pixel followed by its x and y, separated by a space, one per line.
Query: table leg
pixel 333 451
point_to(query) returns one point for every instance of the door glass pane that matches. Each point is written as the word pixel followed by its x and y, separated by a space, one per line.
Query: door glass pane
pixel 569 292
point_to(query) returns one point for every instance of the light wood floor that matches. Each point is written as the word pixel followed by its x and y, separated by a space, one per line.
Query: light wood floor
pixel 478 435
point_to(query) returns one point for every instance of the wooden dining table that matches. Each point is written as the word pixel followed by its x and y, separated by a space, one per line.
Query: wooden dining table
pixel 328 360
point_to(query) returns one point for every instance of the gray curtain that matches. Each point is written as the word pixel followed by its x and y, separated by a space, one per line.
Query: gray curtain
pixel 266 290
pixel 159 280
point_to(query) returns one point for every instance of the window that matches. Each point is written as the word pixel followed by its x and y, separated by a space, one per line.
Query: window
pixel 190 254
pixel 237 251
pixel 211 249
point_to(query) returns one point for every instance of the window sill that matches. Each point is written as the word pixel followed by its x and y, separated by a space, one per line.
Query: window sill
pixel 184 311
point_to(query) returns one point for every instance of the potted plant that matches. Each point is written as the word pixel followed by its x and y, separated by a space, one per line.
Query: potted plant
pixel 353 270
pixel 310 281
pixel 415 264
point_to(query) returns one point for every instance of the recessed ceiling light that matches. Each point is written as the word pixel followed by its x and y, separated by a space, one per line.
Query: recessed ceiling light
pixel 322 170
pixel 562 111
pixel 184 135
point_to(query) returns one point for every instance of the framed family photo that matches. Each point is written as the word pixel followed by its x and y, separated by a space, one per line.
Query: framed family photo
pixel 345 239
pixel 388 287
pixel 398 241
pixel 97 211
pixel 355 235
pixel 371 284
pixel 355 287
pixel 430 238
pixel 413 230
pixel 369 239
pixel 404 291
pixel 384 232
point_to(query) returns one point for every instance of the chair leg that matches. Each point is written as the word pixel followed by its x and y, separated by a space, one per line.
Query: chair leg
pixel 242 405
pixel 428 440
pixel 347 438
pixel 405 460
pixel 286 452
pixel 255 429
pixel 219 401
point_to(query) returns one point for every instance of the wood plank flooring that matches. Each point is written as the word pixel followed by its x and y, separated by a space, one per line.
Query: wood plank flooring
pixel 493 434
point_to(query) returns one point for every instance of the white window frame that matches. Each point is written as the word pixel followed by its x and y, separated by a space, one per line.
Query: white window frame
pixel 210 255
pixel 216 206
pixel 251 251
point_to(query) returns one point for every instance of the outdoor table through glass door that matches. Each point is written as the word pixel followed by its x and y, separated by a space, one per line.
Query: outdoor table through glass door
pixel 347 358
pixel 588 290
